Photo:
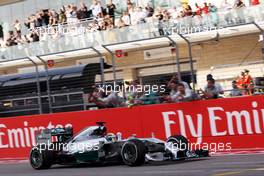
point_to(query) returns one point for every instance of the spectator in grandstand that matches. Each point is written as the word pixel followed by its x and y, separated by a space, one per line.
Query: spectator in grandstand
pixel 210 90
pixel 217 85
pixel 239 4
pixel 176 80
pixel 206 15
pixel 96 8
pixel 1 32
pixel 11 40
pixel 103 100
pixel 39 20
pixel 133 16
pixel 175 14
pixel 94 26
pixel 254 2
pixel 33 36
pixel 214 16
pixel 141 15
pixel 62 16
pixel 182 94
pixel 159 15
pixel 197 15
pixel 109 22
pixel 257 13
pixel 112 100
pixel 130 8
pixel 30 23
pixel 2 45
pixel 71 14
pixel 166 15
pixel 240 81
pixel 248 79
pixel 19 39
pixel 150 97
pixel 160 18
pixel 17 26
pixel 235 90
pixel 173 87
pixel 83 12
pixel 125 19
pixel 111 7
pixel 45 16
pixel 149 10
pixel 94 96
pixel 187 10
pixel 245 83
pixel 248 82
pixel 101 23
pixel 198 10
pixel 165 97
pixel 54 16
pixel 133 93
pixel 227 7
pixel 129 4
pixel 205 9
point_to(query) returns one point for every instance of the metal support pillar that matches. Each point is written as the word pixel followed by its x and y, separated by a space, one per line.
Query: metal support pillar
pixel 177 57
pixel 113 62
pixel 47 82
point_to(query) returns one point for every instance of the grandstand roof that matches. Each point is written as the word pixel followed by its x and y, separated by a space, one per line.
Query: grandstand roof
pixel 5 2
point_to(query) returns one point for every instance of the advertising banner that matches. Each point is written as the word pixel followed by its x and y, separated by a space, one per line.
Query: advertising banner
pixel 219 125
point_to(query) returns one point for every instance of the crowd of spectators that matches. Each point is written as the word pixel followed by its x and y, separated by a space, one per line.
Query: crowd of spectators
pixel 175 91
pixel 244 84
pixel 104 18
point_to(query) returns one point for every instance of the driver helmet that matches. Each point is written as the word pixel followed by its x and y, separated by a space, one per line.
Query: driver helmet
pixel 111 137
pixel 101 130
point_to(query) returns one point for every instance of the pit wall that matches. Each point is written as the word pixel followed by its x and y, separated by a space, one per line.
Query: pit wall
pixel 220 125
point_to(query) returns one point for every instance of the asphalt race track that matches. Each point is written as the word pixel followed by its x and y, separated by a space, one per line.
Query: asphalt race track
pixel 228 165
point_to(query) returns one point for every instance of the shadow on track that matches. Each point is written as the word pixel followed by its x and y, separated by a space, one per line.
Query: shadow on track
pixel 149 164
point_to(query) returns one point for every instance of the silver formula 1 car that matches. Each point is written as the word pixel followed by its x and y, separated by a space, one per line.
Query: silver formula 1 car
pixel 95 145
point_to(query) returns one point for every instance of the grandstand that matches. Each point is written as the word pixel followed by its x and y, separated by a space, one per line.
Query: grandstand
pixel 151 51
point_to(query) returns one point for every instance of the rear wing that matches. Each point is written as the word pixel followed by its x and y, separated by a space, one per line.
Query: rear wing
pixel 47 136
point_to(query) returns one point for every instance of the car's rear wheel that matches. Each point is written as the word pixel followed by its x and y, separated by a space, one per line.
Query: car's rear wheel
pixel 133 152
pixel 179 143
pixel 41 159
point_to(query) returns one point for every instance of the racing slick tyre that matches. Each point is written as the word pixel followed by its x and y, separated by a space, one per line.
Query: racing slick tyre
pixel 133 152
pixel 180 143
pixel 41 159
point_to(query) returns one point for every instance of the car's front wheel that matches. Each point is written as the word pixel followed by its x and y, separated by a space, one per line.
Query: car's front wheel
pixel 133 152
pixel 41 159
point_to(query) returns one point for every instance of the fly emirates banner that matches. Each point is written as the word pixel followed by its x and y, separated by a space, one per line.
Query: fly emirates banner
pixel 217 125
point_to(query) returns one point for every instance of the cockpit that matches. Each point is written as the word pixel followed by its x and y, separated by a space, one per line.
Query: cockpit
pixel 93 132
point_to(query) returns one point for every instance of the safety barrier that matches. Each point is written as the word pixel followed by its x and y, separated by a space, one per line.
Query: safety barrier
pixel 219 125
